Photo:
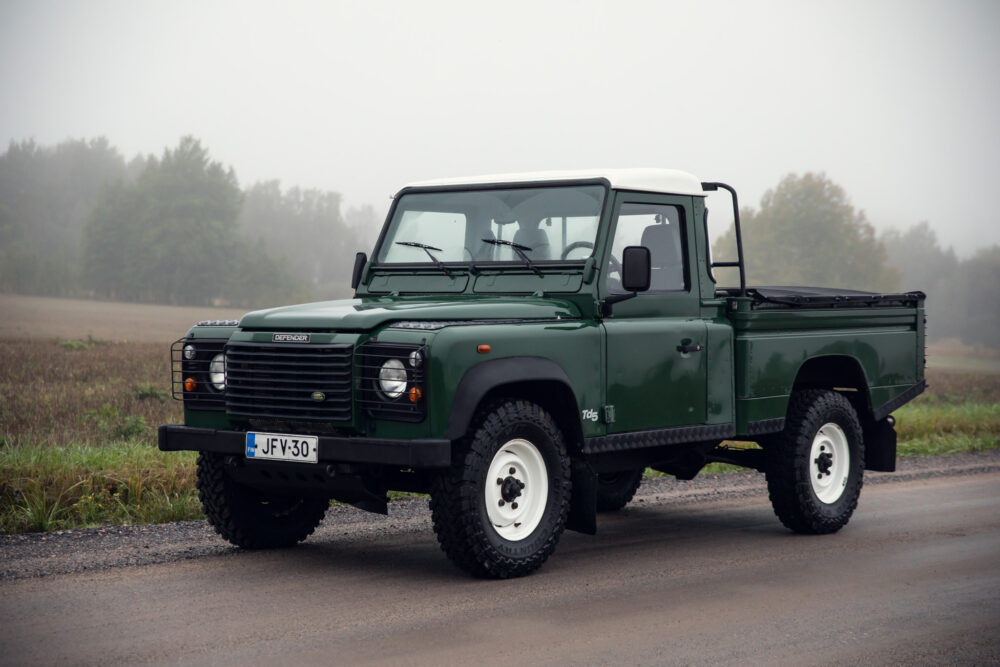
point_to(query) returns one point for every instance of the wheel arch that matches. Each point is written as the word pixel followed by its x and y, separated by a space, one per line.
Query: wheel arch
pixel 843 371
pixel 536 379
pixel 837 371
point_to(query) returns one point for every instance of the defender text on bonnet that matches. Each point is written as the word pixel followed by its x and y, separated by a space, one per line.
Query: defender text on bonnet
pixel 522 347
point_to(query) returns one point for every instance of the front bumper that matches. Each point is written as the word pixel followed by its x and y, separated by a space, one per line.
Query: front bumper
pixel 427 453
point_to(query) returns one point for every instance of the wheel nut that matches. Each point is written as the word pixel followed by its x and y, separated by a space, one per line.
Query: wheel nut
pixel 513 506
pixel 499 481
pixel 502 503
pixel 512 470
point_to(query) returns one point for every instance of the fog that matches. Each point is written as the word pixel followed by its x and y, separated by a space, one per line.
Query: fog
pixel 895 101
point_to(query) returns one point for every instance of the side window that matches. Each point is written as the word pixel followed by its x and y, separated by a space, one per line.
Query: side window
pixel 657 227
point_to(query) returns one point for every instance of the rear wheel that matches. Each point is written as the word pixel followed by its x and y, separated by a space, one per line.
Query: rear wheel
pixel 615 490
pixel 815 466
pixel 250 518
pixel 500 511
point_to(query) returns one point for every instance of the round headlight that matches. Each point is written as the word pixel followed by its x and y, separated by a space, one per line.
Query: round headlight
pixel 392 378
pixel 189 352
pixel 416 359
pixel 217 372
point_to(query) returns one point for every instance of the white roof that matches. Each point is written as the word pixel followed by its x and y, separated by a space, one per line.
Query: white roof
pixel 668 181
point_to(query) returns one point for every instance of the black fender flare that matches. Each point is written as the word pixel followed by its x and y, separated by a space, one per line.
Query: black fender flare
pixel 482 378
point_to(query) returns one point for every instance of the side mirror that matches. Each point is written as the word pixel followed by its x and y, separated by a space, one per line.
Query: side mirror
pixel 636 268
pixel 636 275
pixel 360 260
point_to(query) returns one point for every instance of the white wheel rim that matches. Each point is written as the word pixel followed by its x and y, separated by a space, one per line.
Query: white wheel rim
pixel 516 490
pixel 829 463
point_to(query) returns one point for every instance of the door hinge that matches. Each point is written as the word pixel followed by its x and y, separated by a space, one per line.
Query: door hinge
pixel 609 414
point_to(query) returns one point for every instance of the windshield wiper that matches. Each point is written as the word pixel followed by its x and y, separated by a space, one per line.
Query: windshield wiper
pixel 519 249
pixel 427 248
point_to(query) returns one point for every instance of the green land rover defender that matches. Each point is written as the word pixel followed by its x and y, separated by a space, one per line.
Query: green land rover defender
pixel 522 347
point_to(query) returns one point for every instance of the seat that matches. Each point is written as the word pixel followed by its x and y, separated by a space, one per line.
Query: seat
pixel 666 260
pixel 536 239
pixel 485 250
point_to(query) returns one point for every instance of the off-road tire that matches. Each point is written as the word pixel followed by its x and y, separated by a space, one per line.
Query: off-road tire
pixel 458 495
pixel 250 518
pixel 789 467
pixel 615 490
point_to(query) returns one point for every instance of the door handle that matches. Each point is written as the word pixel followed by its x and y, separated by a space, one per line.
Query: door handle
pixel 690 348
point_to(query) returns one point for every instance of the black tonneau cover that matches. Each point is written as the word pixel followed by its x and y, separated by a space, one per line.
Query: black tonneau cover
pixel 829 296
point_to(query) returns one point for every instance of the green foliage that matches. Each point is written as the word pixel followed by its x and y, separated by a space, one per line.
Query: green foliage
pixel 923 419
pixel 49 488
pixel 305 230
pixel 173 237
pixel 963 296
pixel 114 425
pixel 45 196
pixel 149 392
pixel 81 344
pixel 808 233
pixel 973 300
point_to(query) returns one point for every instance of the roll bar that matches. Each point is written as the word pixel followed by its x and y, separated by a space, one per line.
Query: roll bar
pixel 712 187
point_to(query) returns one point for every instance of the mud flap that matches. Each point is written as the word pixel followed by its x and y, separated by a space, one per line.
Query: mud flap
pixel 880 445
pixel 583 505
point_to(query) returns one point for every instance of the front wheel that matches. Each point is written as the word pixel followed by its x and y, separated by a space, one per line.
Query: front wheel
pixel 250 518
pixel 500 511
pixel 815 466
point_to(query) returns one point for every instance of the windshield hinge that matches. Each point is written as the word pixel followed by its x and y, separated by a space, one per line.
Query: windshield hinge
pixel 609 414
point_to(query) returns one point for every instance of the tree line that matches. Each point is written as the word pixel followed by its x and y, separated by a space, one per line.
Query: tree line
pixel 806 232
pixel 78 220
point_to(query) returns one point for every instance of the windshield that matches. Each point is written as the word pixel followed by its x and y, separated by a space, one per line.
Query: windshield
pixel 540 223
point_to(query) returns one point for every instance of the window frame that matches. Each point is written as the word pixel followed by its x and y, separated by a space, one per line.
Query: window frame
pixel 492 264
pixel 682 204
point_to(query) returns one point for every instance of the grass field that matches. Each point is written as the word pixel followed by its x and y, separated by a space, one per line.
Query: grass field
pixel 39 317
pixel 78 418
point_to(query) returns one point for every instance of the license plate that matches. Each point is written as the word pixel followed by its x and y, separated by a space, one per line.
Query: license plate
pixel 283 447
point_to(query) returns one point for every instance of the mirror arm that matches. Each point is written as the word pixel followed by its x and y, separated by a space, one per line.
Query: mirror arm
pixel 612 299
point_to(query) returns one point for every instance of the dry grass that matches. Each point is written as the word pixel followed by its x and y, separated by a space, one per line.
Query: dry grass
pixel 76 392
pixel 951 354
pixel 948 385
pixel 77 436
pixel 40 317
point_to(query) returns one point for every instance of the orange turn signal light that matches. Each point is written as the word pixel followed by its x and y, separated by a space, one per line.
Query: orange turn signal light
pixel 482 349
pixel 415 394
pixel 190 384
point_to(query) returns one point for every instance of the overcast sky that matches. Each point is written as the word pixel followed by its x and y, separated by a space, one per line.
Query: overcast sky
pixel 898 102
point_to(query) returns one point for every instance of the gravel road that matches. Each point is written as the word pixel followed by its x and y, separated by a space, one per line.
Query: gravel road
pixel 66 551
pixel 691 572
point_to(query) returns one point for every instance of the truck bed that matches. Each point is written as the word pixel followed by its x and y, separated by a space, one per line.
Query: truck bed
pixel 786 337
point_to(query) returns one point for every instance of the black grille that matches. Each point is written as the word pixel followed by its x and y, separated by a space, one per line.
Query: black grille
pixel 202 395
pixel 284 381
pixel 374 401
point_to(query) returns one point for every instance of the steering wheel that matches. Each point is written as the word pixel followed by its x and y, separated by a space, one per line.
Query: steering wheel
pixel 574 245
pixel 616 266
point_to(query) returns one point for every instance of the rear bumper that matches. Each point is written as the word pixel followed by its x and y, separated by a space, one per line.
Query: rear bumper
pixel 429 453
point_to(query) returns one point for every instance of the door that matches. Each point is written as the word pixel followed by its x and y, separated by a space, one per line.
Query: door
pixel 656 357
